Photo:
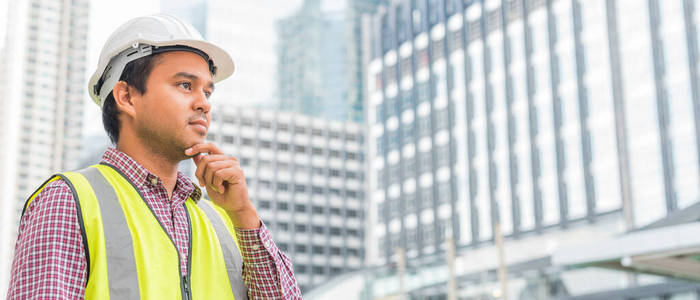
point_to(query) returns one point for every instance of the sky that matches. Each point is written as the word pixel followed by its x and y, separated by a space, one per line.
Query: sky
pixel 249 38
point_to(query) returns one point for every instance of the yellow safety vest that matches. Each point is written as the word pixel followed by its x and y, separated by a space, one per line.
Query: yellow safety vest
pixel 130 255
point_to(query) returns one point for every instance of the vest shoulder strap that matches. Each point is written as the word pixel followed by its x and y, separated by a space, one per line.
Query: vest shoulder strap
pixel 232 256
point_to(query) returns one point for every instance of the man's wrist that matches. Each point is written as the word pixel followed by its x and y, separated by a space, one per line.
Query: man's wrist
pixel 246 218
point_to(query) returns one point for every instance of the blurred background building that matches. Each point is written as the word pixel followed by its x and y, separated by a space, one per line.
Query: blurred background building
pixel 320 59
pixel 561 123
pixel 42 81
pixel 567 129
pixel 305 177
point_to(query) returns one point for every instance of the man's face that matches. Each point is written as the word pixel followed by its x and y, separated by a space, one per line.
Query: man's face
pixel 173 113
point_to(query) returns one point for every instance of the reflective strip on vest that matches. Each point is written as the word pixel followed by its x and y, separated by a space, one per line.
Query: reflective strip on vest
pixel 231 254
pixel 130 255
pixel 121 264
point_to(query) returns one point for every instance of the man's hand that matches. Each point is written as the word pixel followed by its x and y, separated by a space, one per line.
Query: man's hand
pixel 225 183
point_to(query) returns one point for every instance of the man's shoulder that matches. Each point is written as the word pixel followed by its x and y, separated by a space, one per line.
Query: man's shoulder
pixel 53 193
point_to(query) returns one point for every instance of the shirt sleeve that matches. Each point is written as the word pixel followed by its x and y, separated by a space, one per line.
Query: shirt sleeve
pixel 49 260
pixel 267 271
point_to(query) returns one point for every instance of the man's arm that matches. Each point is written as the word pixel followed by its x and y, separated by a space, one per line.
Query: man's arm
pixel 267 271
pixel 49 260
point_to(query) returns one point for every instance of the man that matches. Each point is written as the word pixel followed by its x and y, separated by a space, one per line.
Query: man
pixel 133 226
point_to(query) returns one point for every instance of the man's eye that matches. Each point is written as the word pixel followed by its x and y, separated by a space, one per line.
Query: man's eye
pixel 185 85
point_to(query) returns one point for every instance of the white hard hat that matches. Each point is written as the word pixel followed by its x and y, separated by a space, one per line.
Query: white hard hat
pixel 147 35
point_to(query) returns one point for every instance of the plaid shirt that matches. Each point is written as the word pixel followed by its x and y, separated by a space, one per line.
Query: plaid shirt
pixel 50 263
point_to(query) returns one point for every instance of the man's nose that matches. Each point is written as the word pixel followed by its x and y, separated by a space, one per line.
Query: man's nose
pixel 202 102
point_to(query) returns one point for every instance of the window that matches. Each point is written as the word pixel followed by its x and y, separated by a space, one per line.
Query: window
pixel 335 211
pixel 282 146
pixel 300 248
pixel 317 209
pixel 425 161
pixel 247 141
pixel 229 119
pixel 299 130
pixel 335 153
pixel 335 173
pixel 424 126
pixel 353 232
pixel 319 171
pixel 319 229
pixel 351 194
pixel 299 208
pixel 283 206
pixel 265 204
pixel 417 16
pixel 300 228
pixel 335 250
pixel 229 139
pixel 265 124
pixel 283 226
pixel 350 155
pixel 316 190
pixel 282 127
pixel 318 270
pixel 334 135
pixel 434 11
pixel 441 120
pixel 335 231
pixel 318 249
pixel 317 151
pixel 351 175
pixel 317 132
pixel 443 155
pixel 426 197
pixel 283 246
pixel 407 134
pixel 282 186
pixel 352 213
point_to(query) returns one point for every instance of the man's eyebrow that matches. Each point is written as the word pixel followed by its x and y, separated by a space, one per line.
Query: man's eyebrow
pixel 192 77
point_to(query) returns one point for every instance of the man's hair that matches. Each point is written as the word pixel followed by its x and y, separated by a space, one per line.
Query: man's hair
pixel 135 75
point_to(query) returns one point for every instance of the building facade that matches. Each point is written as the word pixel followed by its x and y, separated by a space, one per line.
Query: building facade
pixel 305 178
pixel 312 62
pixel 193 12
pixel 541 116
pixel 42 84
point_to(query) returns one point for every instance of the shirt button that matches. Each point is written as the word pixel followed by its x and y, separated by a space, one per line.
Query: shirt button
pixel 154 181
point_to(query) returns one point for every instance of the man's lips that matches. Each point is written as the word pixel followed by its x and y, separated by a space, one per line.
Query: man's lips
pixel 202 123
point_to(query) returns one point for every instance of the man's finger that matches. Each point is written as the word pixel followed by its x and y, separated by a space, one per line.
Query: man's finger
pixel 210 148
pixel 201 161
pixel 212 167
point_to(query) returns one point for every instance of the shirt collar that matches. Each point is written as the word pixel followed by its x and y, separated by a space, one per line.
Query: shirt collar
pixel 140 176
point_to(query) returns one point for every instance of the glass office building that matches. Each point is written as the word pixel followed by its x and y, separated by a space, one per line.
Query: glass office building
pixel 547 117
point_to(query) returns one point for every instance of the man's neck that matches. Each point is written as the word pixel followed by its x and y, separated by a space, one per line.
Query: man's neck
pixel 157 164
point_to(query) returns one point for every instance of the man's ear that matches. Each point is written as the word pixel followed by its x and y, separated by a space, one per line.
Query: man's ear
pixel 124 98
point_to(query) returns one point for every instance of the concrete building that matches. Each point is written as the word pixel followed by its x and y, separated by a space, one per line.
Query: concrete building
pixel 305 178
pixel 567 123
pixel 42 84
